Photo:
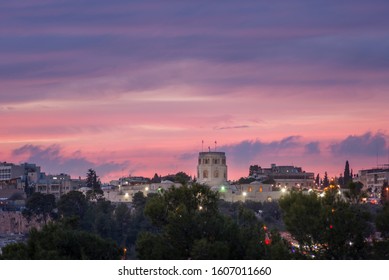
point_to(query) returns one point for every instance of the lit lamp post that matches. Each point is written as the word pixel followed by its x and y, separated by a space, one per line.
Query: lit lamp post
pixel 244 196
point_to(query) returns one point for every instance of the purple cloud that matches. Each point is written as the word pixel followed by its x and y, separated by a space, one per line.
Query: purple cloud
pixel 52 161
pixel 368 144
pixel 312 148
pixel 246 151
pixel 48 44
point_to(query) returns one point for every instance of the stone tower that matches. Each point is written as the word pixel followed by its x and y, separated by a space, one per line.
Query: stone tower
pixel 212 168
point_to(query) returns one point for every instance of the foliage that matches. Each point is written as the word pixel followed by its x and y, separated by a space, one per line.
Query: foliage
pixel 355 193
pixel 382 221
pixel 72 204
pixel 156 179
pixel 59 242
pixel 347 175
pixel 326 181
pixel 317 180
pixel 245 180
pixel 41 206
pixel 182 178
pixel 328 227
pixel 188 225
pixel 93 182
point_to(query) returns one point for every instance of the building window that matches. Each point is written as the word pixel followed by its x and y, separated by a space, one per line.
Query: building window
pixel 205 174
pixel 216 174
pixel 199 161
pixel 223 161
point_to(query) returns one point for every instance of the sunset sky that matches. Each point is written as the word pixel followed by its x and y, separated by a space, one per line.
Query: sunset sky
pixel 133 87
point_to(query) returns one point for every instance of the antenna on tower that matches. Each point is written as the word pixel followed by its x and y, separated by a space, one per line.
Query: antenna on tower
pixel 215 145
pixel 202 145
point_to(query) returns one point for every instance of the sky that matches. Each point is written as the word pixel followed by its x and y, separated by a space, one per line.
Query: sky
pixel 134 87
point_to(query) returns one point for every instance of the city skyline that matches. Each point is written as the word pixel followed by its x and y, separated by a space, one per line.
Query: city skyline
pixel 134 87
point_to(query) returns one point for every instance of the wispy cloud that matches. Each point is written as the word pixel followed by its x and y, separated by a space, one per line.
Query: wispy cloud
pixel 232 127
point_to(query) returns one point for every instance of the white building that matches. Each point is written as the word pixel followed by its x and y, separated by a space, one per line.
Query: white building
pixel 284 176
pixel 373 179
pixel 9 171
pixel 212 168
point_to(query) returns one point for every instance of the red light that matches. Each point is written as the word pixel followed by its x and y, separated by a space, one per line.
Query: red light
pixel 331 227
pixel 267 241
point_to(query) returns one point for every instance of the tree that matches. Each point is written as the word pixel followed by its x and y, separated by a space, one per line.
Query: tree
pixel 355 193
pixel 382 221
pixel 72 204
pixel 122 216
pixel 302 217
pixel 385 192
pixel 93 182
pixel 41 206
pixel 326 181
pixel 182 178
pixel 59 242
pixel 326 227
pixel 246 180
pixel 156 179
pixel 139 201
pixel 317 180
pixel 347 175
pixel 187 224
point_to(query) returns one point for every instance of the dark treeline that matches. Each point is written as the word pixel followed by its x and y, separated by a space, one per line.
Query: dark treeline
pixel 191 222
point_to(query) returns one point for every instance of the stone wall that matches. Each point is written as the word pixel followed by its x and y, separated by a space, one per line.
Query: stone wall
pixel 14 222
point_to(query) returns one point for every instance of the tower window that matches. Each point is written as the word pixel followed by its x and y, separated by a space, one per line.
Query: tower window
pixel 216 174
pixel 205 174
